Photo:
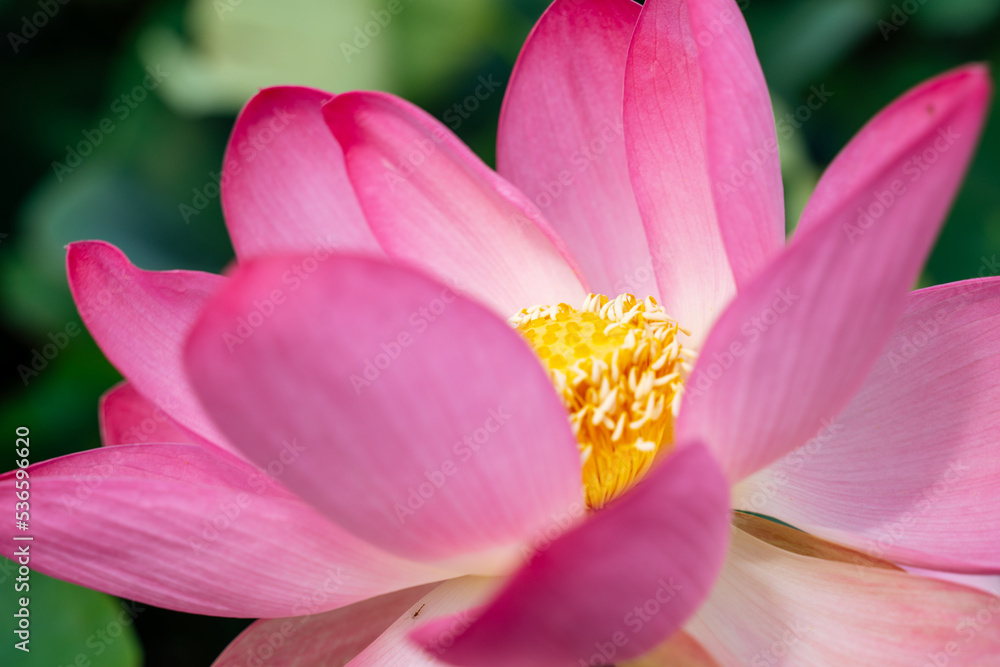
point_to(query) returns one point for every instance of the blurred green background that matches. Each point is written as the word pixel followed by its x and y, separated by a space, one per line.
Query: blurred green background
pixel 64 73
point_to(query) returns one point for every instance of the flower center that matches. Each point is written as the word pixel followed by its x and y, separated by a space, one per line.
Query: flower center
pixel 619 367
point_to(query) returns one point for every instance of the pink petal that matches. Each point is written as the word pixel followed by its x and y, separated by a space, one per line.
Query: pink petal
pixel 910 470
pixel 891 132
pixel 741 143
pixel 561 139
pixel 424 423
pixel 140 320
pixel 612 589
pixel 319 639
pixel 665 121
pixel 797 343
pixel 775 607
pixel 284 186
pixel 196 530
pixel 431 201
pixel 370 633
pixel 127 418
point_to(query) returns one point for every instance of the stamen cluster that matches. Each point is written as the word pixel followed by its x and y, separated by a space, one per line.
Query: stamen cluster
pixel 619 367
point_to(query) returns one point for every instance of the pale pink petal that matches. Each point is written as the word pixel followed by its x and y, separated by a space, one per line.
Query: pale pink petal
pixel 741 142
pixel 140 320
pixel 891 132
pixel 426 424
pixel 452 601
pixel 665 123
pixel 333 637
pixel 774 607
pixel 284 185
pixel 196 530
pixel 796 344
pixel 986 583
pixel 613 588
pixel 561 139
pixel 370 633
pixel 910 470
pixel 431 201
pixel 126 418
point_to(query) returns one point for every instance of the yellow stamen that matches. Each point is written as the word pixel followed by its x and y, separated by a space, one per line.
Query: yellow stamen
pixel 619 367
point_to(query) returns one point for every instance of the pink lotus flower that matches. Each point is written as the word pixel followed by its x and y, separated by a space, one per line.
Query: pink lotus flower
pixel 348 419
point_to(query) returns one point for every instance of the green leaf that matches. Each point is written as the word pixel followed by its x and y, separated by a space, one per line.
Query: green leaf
pixel 69 625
